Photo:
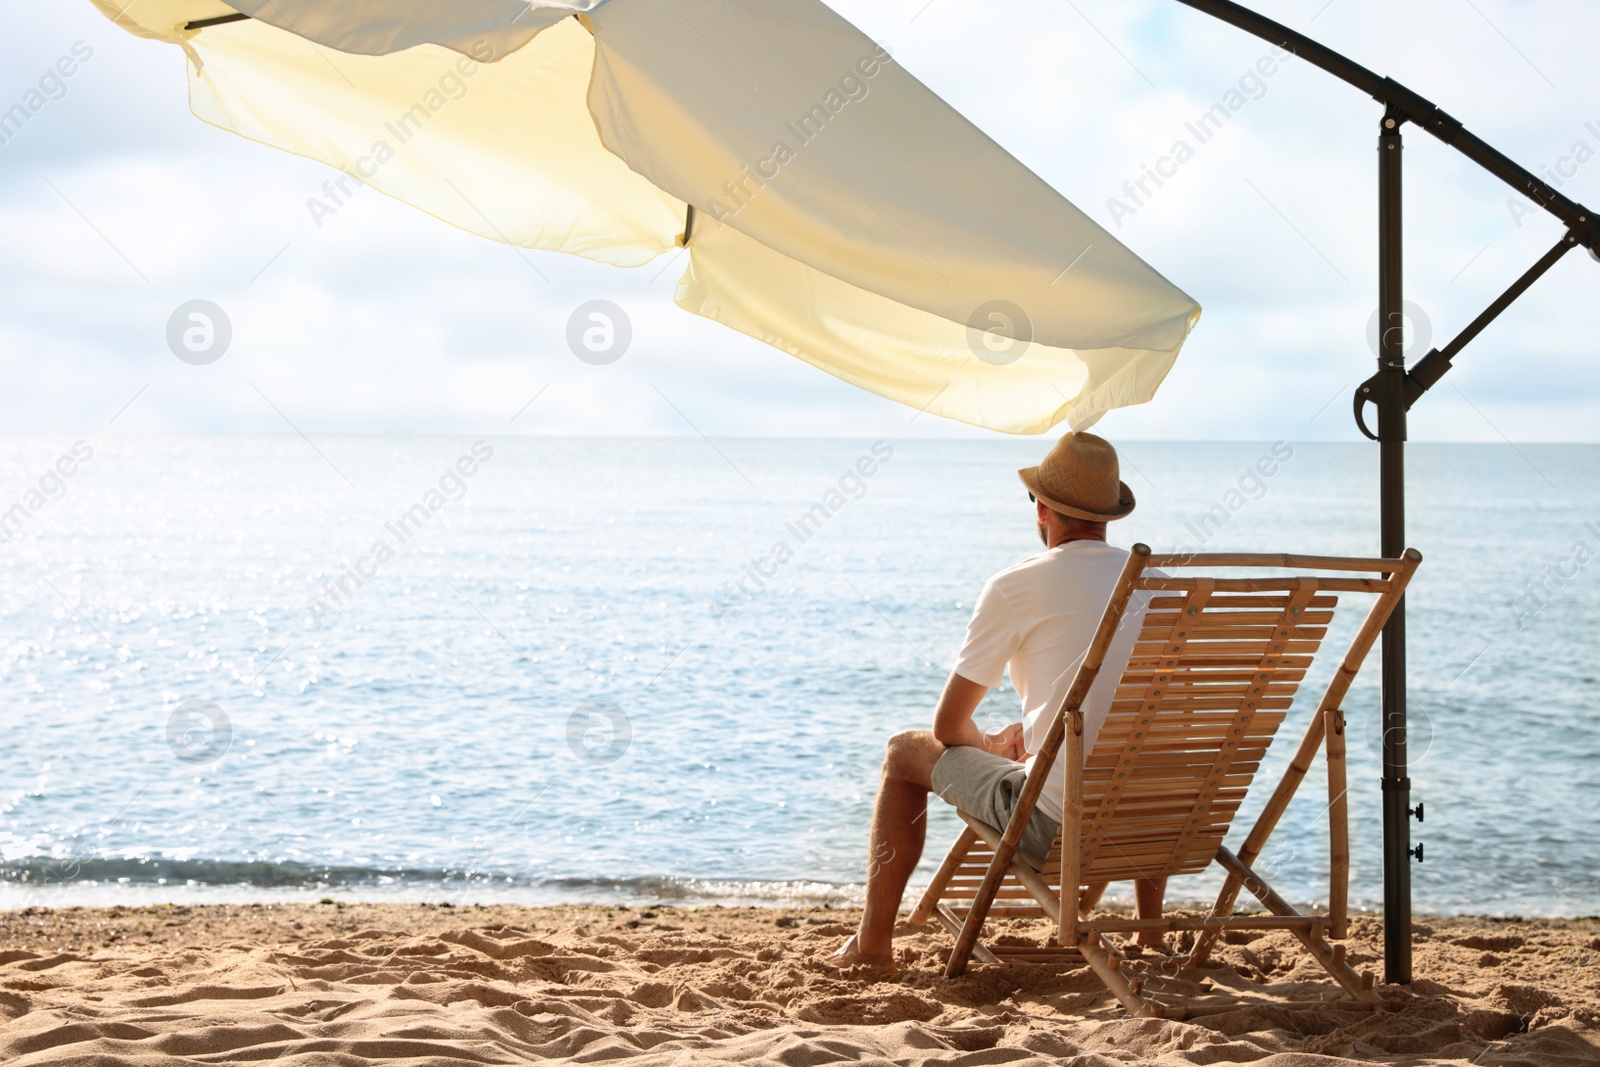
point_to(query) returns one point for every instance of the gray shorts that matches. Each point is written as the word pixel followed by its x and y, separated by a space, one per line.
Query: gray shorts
pixel 987 787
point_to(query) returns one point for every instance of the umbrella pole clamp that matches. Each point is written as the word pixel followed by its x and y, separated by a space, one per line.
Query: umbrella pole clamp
pixel 1427 371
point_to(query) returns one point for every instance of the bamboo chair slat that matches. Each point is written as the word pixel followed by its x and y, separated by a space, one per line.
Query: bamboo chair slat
pixel 1154 762
pixel 1225 630
pixel 1151 858
pixel 1142 854
pixel 1155 824
pixel 1200 725
pixel 1214 560
pixel 1269 585
pixel 1171 746
pixel 1138 809
pixel 1164 825
pixel 1165 818
pixel 1218 619
pixel 1169 701
pixel 1166 745
pixel 1157 665
pixel 1146 783
pixel 1190 688
pixel 1196 649
pixel 1149 791
pixel 1140 839
pixel 1202 682
pixel 964 887
pixel 1218 676
pixel 1124 873
pixel 1226 602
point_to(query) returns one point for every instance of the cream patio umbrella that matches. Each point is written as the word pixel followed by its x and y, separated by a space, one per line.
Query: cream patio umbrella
pixel 832 205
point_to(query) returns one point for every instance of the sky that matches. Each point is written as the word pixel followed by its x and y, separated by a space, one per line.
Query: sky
pixel 118 207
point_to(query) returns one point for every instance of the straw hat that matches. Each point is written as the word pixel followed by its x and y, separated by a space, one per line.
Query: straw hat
pixel 1080 478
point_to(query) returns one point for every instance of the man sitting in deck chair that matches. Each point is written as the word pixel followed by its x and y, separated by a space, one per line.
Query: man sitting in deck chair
pixel 1037 617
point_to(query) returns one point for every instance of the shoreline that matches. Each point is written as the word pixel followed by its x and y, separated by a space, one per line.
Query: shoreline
pixel 639 892
pixel 669 983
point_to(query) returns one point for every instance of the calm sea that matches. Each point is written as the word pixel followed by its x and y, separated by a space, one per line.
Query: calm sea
pixel 248 668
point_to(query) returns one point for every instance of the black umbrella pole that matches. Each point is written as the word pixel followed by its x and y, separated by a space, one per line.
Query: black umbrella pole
pixel 1392 492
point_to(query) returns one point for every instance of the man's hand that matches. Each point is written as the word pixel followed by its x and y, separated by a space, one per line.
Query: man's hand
pixel 1006 742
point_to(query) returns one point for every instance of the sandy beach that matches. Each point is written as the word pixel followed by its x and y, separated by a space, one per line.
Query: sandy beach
pixel 418 984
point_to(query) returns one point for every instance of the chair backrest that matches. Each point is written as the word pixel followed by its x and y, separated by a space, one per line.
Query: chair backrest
pixel 1212 676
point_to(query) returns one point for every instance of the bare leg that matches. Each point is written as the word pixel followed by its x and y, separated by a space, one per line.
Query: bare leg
pixel 899 826
pixel 1148 896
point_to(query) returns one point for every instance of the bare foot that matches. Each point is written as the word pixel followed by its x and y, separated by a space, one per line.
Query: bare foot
pixel 849 954
pixel 1155 943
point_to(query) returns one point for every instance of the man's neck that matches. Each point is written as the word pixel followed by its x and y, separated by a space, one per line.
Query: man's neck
pixel 1067 538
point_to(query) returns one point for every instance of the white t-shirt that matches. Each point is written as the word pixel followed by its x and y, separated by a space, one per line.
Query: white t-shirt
pixel 1039 617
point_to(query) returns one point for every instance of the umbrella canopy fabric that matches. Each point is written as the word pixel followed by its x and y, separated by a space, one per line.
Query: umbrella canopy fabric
pixel 832 205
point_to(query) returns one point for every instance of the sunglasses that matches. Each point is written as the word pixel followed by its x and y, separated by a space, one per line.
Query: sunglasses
pixel 1030 498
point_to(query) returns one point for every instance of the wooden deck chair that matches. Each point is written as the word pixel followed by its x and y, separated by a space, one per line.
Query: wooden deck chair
pixel 1212 675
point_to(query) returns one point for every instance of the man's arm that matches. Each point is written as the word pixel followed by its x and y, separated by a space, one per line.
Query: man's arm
pixel 953 725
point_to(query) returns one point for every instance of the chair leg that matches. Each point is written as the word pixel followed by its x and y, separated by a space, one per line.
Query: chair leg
pixel 1091 896
pixel 1226 899
pixel 941 879
pixel 947 917
pixel 968 937
pixel 1097 953
pixel 1331 957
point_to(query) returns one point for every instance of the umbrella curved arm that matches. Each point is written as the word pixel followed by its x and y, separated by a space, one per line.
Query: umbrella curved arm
pixel 1407 106
pixel 1403 105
